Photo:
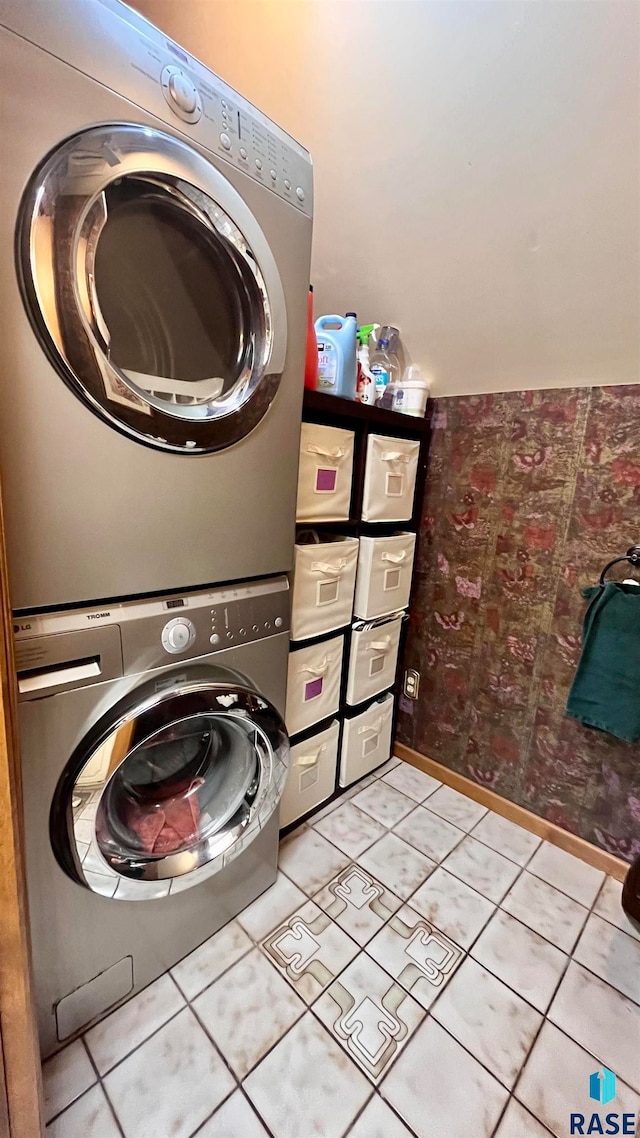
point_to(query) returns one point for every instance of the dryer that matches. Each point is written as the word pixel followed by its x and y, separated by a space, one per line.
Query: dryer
pixel 154 756
pixel 155 242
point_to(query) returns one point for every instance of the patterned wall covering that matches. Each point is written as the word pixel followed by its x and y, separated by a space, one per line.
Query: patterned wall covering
pixel 528 495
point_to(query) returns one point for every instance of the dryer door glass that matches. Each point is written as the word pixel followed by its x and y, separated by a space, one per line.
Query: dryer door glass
pixel 153 288
pixel 170 788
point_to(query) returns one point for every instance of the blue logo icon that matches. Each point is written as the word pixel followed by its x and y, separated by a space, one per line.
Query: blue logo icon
pixel 602 1085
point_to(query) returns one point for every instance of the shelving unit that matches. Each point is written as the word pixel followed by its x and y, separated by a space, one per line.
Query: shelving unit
pixel 332 411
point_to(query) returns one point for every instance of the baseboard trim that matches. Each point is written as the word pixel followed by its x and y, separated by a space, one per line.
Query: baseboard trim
pixel 579 847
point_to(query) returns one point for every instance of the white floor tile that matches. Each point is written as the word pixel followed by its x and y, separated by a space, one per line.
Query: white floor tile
pixel 89 1117
pixel 202 966
pixel 234 1119
pixel 516 1122
pixel 309 949
pixel 482 868
pixel 171 1084
pixel 506 837
pixel 310 861
pixel 433 836
pixel 609 906
pixel 114 1037
pixel 521 959
pixel 612 955
pixel 350 829
pixel 370 1015
pixel 358 903
pixel 452 906
pixel 65 1076
pixel 418 956
pixel 262 916
pixel 383 803
pixel 546 910
pixel 378 1121
pixel 401 868
pixel 307 1085
pixel 555 1083
pixel 412 782
pixel 494 1024
pixel 600 1019
pixel 457 808
pixel 386 767
pixel 247 1010
pixel 568 873
pixel 440 1090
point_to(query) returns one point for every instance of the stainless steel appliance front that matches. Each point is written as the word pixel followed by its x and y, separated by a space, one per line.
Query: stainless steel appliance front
pixel 152 770
pixel 155 312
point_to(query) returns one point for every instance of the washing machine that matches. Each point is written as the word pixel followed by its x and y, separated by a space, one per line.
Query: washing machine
pixel 154 756
pixel 155 240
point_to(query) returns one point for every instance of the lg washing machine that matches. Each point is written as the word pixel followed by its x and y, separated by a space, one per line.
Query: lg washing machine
pixel 155 239
pixel 154 756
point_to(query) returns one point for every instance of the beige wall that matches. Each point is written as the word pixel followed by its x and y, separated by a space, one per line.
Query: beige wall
pixel 476 170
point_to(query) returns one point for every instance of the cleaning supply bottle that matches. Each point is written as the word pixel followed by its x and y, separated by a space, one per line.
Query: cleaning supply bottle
pixel 336 338
pixel 366 389
pixel 311 357
pixel 384 362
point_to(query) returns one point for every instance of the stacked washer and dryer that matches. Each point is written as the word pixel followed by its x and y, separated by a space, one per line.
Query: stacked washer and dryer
pixel 154 263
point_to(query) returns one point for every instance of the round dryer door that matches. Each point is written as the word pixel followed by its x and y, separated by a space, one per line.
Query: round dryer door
pixel 170 786
pixel 152 288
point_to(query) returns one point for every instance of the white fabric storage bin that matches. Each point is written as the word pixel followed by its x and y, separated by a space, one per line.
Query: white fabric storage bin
pixel 389 479
pixel 324 582
pixel 312 774
pixel 324 474
pixel 313 684
pixel 366 741
pixel 372 660
pixel 383 582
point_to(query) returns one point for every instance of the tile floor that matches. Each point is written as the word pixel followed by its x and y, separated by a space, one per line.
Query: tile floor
pixel 421 967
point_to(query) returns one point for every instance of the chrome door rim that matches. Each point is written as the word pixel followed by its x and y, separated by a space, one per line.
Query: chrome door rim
pixel 58 288
pixel 208 854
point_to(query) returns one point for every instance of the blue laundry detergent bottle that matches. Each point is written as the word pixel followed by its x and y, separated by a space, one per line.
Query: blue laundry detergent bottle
pixel 336 336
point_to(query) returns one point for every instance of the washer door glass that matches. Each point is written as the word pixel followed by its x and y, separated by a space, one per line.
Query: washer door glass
pixel 169 787
pixel 153 288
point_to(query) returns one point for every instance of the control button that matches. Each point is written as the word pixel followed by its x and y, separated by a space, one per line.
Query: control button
pixel 222 103
pixel 278 622
pixel 178 635
pixel 267 624
pixel 225 140
pixel 300 194
pixel 287 184
pixel 229 636
pixel 258 163
pixel 183 92
pixel 242 632
pixel 215 639
pixel 273 175
pixel 255 627
pixel 243 153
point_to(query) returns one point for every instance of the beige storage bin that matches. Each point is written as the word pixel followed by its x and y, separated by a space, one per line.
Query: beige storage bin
pixel 323 584
pixel 312 774
pixel 366 741
pixel 324 474
pixel 383 582
pixel 372 660
pixel 389 479
pixel 313 684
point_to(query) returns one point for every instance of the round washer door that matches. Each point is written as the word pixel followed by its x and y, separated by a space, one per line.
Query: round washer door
pixel 169 786
pixel 152 288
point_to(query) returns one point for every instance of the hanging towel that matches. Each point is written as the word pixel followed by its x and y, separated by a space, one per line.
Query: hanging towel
pixel 606 689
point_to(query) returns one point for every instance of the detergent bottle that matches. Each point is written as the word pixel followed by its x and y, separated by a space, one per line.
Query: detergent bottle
pixel 336 336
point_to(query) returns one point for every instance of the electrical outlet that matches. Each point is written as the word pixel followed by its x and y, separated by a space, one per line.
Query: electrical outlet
pixel 411 683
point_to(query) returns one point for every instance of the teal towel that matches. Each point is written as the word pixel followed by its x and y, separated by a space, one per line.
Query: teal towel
pixel 606 690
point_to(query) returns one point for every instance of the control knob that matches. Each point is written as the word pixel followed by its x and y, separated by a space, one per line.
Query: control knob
pixel 178 635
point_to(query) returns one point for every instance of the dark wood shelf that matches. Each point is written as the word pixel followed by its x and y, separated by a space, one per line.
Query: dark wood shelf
pixel 347 410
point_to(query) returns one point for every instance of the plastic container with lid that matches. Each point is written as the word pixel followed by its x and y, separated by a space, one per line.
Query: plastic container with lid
pixel 336 339
pixel 411 392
